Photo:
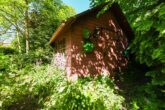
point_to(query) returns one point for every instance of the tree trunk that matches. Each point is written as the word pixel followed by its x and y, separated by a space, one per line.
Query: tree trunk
pixel 26 27
pixel 19 44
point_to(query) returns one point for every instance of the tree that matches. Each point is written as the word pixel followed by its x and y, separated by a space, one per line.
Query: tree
pixel 15 15
pixel 147 21
pixel 27 25
pixel 32 21
pixel 44 19
pixel 11 15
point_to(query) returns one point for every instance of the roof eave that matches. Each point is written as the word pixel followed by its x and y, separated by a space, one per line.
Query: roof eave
pixel 70 21
pixel 56 33
pixel 116 10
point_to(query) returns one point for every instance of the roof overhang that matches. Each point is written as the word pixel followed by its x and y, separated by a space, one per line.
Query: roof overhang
pixel 116 10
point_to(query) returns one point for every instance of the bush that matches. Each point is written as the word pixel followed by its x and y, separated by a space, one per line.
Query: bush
pixel 146 98
pixel 4 62
pixel 26 85
pixel 45 87
pixel 86 94
pixel 140 93
pixel 34 85
pixel 7 50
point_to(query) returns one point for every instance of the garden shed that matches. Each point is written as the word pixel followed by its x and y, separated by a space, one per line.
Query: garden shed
pixel 88 44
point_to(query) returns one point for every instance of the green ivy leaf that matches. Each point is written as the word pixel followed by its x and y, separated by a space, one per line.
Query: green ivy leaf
pixel 88 47
pixel 86 33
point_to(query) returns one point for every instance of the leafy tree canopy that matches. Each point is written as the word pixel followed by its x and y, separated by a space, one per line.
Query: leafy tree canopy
pixel 147 19
pixel 43 18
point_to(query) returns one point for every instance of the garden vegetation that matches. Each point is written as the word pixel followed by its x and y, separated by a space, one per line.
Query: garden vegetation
pixel 28 80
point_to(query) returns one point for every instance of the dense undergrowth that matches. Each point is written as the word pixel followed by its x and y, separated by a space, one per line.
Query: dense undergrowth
pixel 29 82
pixel 27 85
pixel 146 18
pixel 140 94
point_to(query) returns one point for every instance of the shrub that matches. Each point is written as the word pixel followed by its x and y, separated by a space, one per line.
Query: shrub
pixel 86 94
pixel 7 50
pixel 29 87
pixel 45 87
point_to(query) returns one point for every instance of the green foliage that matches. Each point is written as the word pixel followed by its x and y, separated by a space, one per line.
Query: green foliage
pixel 86 33
pixel 35 84
pixel 89 94
pixel 43 18
pixel 126 53
pixel 94 3
pixel 3 62
pixel 88 47
pixel 149 48
pixel 47 88
pixel 29 82
pixel 5 55
pixel 27 85
pixel 7 50
pixel 147 21
pixel 145 97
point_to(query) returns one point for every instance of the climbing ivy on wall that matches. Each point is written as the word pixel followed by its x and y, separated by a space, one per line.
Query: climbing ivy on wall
pixel 88 45
pixel 86 33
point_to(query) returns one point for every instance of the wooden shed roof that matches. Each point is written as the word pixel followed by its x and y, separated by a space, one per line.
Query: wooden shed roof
pixel 115 9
